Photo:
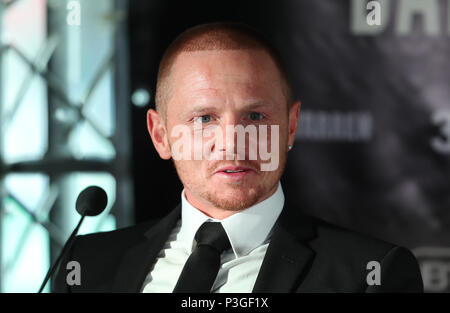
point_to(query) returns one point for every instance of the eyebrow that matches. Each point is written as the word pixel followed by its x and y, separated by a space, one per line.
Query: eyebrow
pixel 206 109
pixel 259 104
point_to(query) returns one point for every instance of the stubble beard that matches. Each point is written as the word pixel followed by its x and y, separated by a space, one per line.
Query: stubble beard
pixel 234 203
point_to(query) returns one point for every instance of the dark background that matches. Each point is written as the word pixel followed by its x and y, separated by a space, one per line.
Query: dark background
pixel 393 184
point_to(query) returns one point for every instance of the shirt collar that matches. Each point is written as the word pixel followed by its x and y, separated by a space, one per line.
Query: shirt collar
pixel 246 229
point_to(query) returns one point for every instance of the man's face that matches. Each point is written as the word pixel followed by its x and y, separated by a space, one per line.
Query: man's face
pixel 216 90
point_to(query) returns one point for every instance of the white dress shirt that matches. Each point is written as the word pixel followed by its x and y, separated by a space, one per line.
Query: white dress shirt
pixel 249 234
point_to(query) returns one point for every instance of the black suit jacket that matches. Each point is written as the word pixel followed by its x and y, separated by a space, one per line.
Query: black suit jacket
pixel 305 254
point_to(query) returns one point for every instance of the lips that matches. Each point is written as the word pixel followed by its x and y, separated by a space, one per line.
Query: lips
pixel 234 173
pixel 233 169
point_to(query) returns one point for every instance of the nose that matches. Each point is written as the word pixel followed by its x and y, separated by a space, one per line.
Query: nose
pixel 228 134
pixel 228 146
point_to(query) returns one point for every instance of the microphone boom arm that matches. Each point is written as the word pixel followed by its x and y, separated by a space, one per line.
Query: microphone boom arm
pixel 63 251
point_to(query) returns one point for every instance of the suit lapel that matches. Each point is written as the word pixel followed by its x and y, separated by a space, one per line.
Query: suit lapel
pixel 288 257
pixel 139 258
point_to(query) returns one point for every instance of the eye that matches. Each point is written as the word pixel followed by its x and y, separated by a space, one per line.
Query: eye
pixel 202 119
pixel 256 116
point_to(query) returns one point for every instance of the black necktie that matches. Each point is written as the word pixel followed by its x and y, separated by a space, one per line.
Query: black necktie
pixel 200 270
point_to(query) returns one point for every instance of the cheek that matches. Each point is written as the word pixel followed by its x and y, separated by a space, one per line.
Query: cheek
pixel 189 169
pixel 275 138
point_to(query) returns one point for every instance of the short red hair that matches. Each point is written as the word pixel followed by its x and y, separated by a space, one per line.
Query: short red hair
pixel 215 36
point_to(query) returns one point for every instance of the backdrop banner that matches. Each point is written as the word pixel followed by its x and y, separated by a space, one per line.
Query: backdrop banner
pixel 373 145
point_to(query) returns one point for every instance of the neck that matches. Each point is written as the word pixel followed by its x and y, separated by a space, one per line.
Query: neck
pixel 213 211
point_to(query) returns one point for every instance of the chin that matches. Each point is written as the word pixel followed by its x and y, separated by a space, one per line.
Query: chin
pixel 238 191
pixel 235 199
pixel 234 204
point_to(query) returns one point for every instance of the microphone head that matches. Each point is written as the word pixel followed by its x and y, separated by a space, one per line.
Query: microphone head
pixel 91 201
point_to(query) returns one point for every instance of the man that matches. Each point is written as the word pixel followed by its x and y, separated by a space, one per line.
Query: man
pixel 232 231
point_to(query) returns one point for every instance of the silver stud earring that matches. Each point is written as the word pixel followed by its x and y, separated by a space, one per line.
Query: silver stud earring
pixel 289 147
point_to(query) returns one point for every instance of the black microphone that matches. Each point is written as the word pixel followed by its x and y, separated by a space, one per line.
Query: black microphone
pixel 90 202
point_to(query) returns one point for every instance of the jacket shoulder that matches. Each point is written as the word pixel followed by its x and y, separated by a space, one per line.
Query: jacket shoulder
pixel 345 258
pixel 99 255
pixel 341 240
pixel 118 236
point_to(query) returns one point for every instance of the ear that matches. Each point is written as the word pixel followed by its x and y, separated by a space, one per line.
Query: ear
pixel 157 130
pixel 294 115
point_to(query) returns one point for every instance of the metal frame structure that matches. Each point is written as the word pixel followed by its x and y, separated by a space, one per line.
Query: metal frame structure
pixel 57 163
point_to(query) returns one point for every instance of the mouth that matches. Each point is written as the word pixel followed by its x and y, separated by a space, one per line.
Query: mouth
pixel 234 173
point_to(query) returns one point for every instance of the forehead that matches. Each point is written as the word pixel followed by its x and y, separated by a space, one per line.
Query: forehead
pixel 245 72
